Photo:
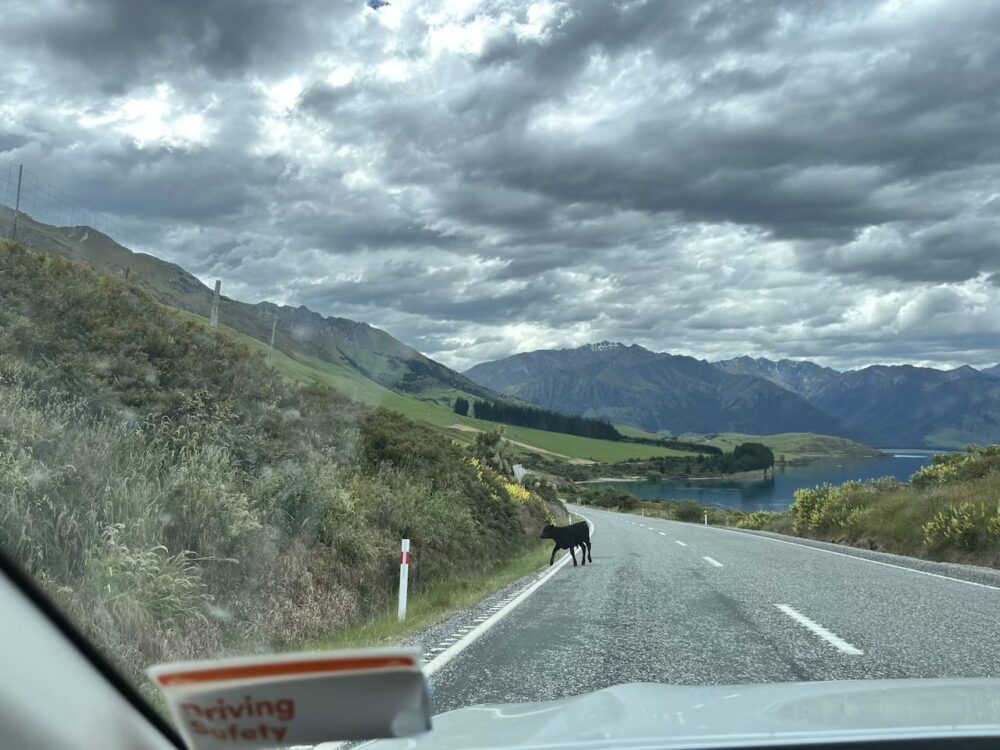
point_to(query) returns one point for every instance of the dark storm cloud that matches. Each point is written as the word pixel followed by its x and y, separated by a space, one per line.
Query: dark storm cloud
pixel 324 100
pixel 712 176
pixel 929 107
pixel 947 251
pixel 123 42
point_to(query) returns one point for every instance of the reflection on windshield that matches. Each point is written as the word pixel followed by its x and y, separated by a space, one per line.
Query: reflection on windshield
pixel 314 319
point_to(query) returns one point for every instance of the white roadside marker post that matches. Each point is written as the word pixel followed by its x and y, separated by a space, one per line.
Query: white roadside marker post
pixel 404 575
pixel 706 518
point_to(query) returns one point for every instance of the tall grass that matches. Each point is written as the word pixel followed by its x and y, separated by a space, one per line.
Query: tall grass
pixel 181 500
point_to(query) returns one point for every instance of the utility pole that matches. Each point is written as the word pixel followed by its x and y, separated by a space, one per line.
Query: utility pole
pixel 17 203
pixel 215 305
pixel 274 327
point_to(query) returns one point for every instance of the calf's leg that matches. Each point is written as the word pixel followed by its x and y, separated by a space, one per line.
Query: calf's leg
pixel 572 554
pixel 553 557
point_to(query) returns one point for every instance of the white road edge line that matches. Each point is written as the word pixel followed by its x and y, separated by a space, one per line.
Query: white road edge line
pixel 710 561
pixel 678 541
pixel 843 554
pixel 857 557
pixel 477 632
pixel 832 638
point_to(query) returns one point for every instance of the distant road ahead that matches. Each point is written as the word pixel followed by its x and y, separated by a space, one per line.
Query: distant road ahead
pixel 686 604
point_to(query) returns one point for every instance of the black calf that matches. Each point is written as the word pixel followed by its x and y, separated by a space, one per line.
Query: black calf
pixel 568 537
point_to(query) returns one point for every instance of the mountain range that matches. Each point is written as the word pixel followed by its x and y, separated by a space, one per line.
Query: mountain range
pixel 899 405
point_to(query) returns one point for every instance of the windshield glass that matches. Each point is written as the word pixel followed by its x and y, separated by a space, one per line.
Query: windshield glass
pixel 576 344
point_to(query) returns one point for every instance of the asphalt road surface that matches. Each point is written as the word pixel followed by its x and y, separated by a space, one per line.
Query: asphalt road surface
pixel 693 605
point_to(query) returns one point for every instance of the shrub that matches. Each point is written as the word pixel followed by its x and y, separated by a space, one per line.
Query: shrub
pixel 963 525
pixel 993 525
pixel 758 519
pixel 689 511
pixel 835 510
pixel 610 498
pixel 976 463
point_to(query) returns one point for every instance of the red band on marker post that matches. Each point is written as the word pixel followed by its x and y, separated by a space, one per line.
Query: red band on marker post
pixel 404 574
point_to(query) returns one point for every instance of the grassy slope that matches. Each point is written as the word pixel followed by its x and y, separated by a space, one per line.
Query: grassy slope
pixel 792 445
pixel 435 603
pixel 181 462
pixel 306 369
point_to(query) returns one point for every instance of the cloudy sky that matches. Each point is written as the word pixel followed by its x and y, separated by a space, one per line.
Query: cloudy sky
pixel 811 179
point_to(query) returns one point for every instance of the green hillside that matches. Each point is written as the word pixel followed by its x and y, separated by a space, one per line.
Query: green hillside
pixel 306 369
pixel 137 445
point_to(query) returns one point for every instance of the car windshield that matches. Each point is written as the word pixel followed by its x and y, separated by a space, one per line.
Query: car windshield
pixel 573 344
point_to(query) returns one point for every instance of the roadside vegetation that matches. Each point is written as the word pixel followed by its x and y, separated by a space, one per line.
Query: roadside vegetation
pixel 180 499
pixel 949 510
pixel 671 510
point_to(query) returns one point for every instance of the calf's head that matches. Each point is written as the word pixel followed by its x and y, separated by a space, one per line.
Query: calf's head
pixel 547 532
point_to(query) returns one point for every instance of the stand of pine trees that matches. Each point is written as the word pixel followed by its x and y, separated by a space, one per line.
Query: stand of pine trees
pixel 543 419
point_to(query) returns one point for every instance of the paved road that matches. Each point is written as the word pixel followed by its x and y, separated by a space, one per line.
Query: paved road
pixel 687 604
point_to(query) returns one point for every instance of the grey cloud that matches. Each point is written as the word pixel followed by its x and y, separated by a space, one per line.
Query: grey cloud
pixel 121 42
pixel 324 100
pixel 709 176
pixel 489 205
pixel 955 250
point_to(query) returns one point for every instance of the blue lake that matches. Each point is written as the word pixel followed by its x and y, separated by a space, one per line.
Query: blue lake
pixel 779 492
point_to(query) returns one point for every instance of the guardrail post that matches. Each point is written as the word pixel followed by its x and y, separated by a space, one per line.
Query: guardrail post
pixel 404 575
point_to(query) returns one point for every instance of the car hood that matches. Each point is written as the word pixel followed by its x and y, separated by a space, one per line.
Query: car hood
pixel 665 716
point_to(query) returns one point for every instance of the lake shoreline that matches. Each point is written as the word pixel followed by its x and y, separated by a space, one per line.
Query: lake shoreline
pixel 749 492
pixel 608 480
pixel 758 475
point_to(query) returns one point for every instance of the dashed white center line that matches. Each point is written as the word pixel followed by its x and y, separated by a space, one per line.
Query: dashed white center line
pixel 678 541
pixel 711 561
pixel 831 638
pixel 661 533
